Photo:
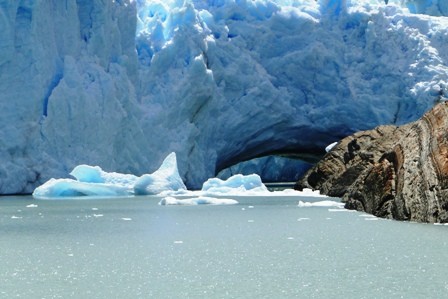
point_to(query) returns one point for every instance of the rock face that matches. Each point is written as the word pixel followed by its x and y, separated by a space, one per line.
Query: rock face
pixel 391 172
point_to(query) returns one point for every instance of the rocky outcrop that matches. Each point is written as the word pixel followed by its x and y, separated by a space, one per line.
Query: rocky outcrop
pixel 391 172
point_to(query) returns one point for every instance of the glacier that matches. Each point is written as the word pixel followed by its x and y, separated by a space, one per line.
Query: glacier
pixel 123 83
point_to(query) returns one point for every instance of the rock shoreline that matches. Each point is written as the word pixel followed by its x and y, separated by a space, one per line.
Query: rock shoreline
pixel 391 172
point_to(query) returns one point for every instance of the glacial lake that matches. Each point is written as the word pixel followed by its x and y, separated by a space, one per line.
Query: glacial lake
pixel 259 248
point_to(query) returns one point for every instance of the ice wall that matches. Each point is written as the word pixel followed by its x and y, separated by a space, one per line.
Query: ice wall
pixel 120 84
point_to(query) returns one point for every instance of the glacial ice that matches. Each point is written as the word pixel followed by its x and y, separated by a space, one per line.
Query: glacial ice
pixel 166 178
pixel 93 181
pixel 94 174
pixel 270 168
pixel 234 185
pixel 60 188
pixel 323 203
pixel 123 83
pixel 201 200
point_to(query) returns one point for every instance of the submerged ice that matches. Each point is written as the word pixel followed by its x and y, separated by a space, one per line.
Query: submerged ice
pixel 123 83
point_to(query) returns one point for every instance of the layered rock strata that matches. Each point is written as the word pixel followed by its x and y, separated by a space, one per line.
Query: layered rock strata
pixel 391 172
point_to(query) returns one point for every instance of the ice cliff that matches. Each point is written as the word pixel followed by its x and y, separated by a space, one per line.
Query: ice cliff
pixel 122 83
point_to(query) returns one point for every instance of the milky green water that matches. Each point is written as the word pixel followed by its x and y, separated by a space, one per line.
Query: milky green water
pixel 261 248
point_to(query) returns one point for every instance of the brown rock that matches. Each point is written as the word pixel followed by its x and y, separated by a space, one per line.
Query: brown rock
pixel 392 172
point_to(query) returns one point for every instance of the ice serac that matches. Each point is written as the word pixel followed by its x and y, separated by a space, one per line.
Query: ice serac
pixel 166 178
pixel 393 172
pixel 123 83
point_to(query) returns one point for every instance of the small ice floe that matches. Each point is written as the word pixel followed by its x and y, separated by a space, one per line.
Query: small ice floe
pixel 98 215
pixel 16 217
pixel 32 206
pixel 126 219
pixel 94 209
pixel 290 238
pixel 341 209
pixel 178 242
pixel 251 221
pixel 201 200
pixel 323 203
pixel 303 219
pixel 368 217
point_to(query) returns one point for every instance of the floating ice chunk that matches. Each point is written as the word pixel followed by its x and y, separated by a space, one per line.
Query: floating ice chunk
pixel 367 215
pixel 311 192
pixel 302 219
pixel 90 181
pixel 126 219
pixel 340 209
pixel 201 200
pixel 56 188
pixel 94 174
pixel 323 203
pixel 165 178
pixel 31 206
pixel 330 147
pixel 93 181
pixel 236 184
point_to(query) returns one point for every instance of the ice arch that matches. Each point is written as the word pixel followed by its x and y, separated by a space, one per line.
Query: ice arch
pixel 271 169
pixel 251 78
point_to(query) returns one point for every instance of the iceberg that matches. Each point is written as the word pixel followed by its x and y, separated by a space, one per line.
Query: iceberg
pixel 93 181
pixel 237 184
pixel 122 83
pixel 63 188
pixel 94 174
pixel 166 178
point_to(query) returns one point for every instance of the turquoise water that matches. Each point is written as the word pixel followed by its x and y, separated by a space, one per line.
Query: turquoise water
pixel 260 248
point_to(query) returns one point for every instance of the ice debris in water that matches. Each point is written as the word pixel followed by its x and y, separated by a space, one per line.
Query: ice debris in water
pixel 323 203
pixel 201 200
pixel 166 181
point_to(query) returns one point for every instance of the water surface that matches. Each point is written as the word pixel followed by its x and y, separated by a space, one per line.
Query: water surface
pixel 260 248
